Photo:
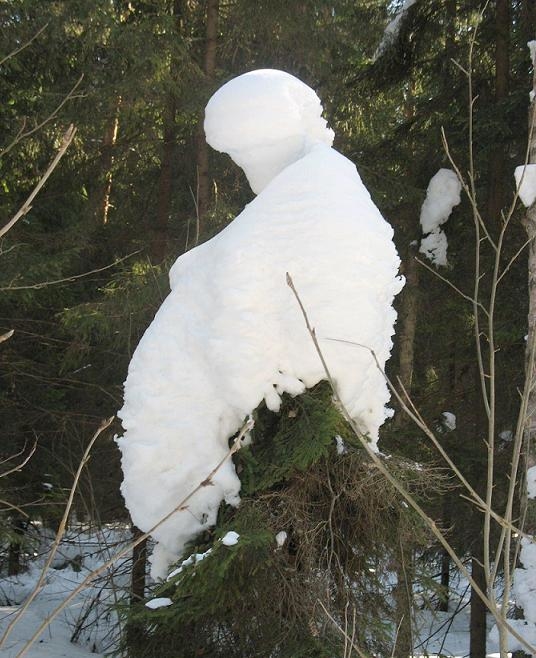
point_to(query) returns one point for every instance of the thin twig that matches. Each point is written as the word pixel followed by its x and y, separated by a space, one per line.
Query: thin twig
pixel 237 444
pixel 23 135
pixel 69 279
pixel 26 207
pixel 105 424
pixel 7 335
pixel 347 638
pixel 452 285
pixel 24 45
pixel 410 499
pixel 19 466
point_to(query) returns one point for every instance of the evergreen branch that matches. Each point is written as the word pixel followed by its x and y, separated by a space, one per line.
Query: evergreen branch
pixel 409 498
pixel 237 444
pixel 27 206
pixel 69 279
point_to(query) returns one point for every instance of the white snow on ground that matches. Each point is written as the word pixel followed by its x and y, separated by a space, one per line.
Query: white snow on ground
pixel 231 333
pixel 89 613
pixel 526 183
pixel 442 195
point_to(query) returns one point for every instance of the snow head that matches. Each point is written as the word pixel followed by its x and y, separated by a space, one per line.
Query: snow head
pixel 265 120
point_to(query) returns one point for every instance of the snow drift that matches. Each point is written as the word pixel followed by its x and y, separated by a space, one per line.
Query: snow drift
pixel 230 334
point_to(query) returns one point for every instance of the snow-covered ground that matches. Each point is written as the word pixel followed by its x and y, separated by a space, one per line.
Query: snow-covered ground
pixel 89 619
pixel 94 624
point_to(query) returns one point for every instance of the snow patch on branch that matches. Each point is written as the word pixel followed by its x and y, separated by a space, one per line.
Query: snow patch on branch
pixel 525 176
pixel 442 195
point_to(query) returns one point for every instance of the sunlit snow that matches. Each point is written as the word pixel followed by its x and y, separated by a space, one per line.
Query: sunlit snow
pixel 526 183
pixel 231 334
pixel 442 195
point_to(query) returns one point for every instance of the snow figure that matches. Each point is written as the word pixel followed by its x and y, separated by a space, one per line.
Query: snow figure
pixel 230 334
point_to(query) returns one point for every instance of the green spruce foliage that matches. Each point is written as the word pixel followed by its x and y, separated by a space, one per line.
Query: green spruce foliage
pixel 343 524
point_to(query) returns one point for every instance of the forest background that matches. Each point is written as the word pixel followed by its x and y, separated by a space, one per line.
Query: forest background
pixel 84 270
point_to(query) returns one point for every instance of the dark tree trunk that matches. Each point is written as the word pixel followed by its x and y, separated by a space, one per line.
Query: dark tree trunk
pixel 163 211
pixel 203 178
pixel 14 562
pixel 160 237
pixel 445 582
pixel 134 631
pixel 497 172
pixel 478 631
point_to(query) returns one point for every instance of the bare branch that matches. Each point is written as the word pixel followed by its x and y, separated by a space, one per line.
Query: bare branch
pixel 69 279
pixel 24 45
pixel 67 139
pixel 237 444
pixel 454 287
pixel 23 463
pixel 7 335
pixel 410 499
pixel 22 135
pixel 59 534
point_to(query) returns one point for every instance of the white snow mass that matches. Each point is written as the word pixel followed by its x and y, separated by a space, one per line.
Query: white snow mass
pixel 526 183
pixel 231 538
pixel 531 482
pixel 230 334
pixel 162 602
pixel 442 195
pixel 449 420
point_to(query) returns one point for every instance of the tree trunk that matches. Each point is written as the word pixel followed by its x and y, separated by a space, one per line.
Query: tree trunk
pixel 496 195
pixel 163 211
pixel 203 178
pixel 478 631
pixel 403 596
pixel 409 308
pixel 107 160
pixel 529 222
pixel 160 237
pixel 14 564
pixel 134 631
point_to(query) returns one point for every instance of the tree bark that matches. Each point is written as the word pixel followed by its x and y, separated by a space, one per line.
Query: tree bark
pixel 478 631
pixel 14 564
pixel 409 308
pixel 160 237
pixel 203 177
pixel 496 195
pixel 134 631
pixel 529 221
pixel 107 161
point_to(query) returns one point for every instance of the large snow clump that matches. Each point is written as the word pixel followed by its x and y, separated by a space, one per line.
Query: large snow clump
pixel 230 334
